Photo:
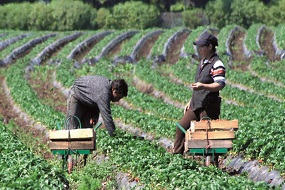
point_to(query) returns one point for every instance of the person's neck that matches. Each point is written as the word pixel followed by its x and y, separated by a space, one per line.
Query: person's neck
pixel 210 56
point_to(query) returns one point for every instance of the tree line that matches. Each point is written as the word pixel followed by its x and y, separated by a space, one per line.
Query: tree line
pixel 137 14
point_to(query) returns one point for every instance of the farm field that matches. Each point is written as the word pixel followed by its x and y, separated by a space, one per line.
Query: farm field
pixel 37 69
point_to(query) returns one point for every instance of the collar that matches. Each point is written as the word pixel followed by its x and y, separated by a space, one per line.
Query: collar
pixel 208 61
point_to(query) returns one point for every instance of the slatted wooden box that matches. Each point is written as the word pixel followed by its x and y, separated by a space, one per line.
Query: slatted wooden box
pixel 75 139
pixel 211 134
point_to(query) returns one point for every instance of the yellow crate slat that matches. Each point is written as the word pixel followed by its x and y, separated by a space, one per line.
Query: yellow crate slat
pixel 74 134
pixel 211 135
pixel 214 124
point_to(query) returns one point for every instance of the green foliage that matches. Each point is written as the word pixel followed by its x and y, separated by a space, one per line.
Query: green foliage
pixel 178 7
pixel 70 16
pixel 240 12
pixel 157 169
pixel 58 15
pixel 279 33
pixel 194 18
pixel 39 17
pixel 103 14
pixel 79 14
pixel 92 176
pixel 24 169
pixel 218 12
pixel 132 15
pixel 276 14
pixel 245 12
pixel 15 16
pixel 251 35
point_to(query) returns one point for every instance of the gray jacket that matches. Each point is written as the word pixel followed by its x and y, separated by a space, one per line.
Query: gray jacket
pixel 96 92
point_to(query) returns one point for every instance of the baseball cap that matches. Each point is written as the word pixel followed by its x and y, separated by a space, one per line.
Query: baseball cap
pixel 206 39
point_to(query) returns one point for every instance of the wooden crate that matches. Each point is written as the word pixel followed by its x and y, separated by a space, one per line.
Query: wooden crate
pixel 213 134
pixel 75 139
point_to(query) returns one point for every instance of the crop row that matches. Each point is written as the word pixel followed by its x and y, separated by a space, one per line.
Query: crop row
pixel 150 122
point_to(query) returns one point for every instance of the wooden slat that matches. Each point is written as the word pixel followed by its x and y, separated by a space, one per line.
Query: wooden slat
pixel 213 143
pixel 212 135
pixel 214 124
pixel 74 134
pixel 79 145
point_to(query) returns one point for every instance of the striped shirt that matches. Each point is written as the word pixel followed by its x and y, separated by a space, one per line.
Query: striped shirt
pixel 218 72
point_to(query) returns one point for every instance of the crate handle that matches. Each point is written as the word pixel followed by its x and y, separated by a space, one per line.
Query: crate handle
pixel 98 125
pixel 66 121
pixel 209 127
pixel 180 127
pixel 205 118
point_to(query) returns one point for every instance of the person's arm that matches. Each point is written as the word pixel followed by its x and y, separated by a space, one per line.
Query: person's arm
pixel 187 107
pixel 104 106
pixel 218 73
pixel 213 87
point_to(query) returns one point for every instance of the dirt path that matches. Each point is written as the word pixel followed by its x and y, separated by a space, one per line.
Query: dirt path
pixel 266 44
pixel 236 47
pixel 173 52
pixel 80 56
pixel 145 50
pixel 46 92
pixel 25 129
pixel 239 59
pixel 116 50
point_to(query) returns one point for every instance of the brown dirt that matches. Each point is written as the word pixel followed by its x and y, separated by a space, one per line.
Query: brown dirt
pixel 116 50
pixel 48 93
pixel 238 54
pixel 23 128
pixel 79 57
pixel 236 47
pixel 173 52
pixel 266 39
pixel 145 50
pixel 6 109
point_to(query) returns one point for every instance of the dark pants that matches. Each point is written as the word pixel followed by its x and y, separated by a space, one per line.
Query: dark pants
pixel 75 109
pixel 212 111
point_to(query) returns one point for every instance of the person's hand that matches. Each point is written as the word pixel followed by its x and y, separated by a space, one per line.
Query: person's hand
pixel 93 121
pixel 197 86
pixel 187 107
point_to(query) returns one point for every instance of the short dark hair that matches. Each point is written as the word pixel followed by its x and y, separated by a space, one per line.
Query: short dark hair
pixel 120 86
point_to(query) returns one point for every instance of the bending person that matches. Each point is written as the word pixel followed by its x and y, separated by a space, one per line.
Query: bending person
pixel 91 95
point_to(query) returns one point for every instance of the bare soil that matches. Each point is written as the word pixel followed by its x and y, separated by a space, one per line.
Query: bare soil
pixel 236 47
pixel 116 50
pixel 49 94
pixel 23 127
pixel 173 53
pixel 238 55
pixel 266 44
pixel 146 49
pixel 79 57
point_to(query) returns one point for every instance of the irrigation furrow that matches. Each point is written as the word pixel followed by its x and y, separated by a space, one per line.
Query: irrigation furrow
pixel 264 79
pixel 149 89
pixel 248 89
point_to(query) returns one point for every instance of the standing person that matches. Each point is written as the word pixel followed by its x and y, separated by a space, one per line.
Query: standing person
pixel 91 95
pixel 209 80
